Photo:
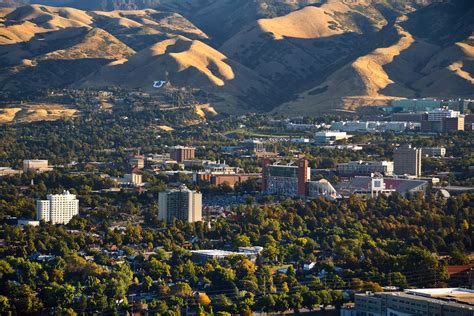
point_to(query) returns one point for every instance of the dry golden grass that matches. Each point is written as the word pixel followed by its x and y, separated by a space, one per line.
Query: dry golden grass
pixel 19 32
pixel 35 112
pixel 8 115
pixel 175 57
pixel 358 83
pixel 207 60
pixel 204 110
pixel 165 128
pixel 315 24
pixel 34 19
pixel 97 43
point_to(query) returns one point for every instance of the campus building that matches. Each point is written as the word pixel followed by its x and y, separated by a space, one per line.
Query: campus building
pixel 375 185
pixel 433 151
pixel 329 137
pixel 218 178
pixel 180 203
pixel 36 165
pixel 182 153
pixel 360 167
pixel 437 301
pixel 57 208
pixel 253 146
pixel 407 160
pixel 293 180
pixel 137 161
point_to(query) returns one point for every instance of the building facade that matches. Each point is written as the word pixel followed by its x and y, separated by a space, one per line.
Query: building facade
pixel 181 203
pixel 137 161
pixel 294 180
pixel 289 179
pixel 57 208
pixel 329 137
pixel 440 114
pixel 438 302
pixel 365 168
pixel 452 124
pixel 407 160
pixel 434 151
pixel 36 165
pixel 182 153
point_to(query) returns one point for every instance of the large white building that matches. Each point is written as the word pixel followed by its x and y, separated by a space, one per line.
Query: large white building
pixel 372 126
pixel 58 208
pixel 330 137
pixel 181 203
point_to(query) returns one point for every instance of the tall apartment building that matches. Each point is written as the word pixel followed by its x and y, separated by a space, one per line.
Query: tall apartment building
pixel 36 165
pixel 58 208
pixel 180 203
pixel 182 153
pixel 438 301
pixel 365 168
pixel 407 160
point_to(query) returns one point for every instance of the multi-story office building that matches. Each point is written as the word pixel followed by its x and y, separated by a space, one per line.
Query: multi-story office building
pixel 329 137
pixel 451 124
pixel 409 117
pixel 180 203
pixel 433 151
pixel 440 114
pixel 182 153
pixel 36 165
pixel 439 302
pixel 58 208
pixel 253 145
pixel 407 160
pixel 137 161
pixel 371 126
pixel 365 168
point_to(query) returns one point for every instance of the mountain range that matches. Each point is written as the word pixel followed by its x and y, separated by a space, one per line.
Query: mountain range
pixel 287 57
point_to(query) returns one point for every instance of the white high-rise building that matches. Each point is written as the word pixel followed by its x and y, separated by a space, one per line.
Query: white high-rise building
pixel 181 203
pixel 58 208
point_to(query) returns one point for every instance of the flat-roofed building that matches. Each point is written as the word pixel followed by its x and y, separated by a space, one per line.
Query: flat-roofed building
pixel 330 137
pixel 365 168
pixel 407 160
pixel 36 165
pixel 452 124
pixel 180 203
pixel 57 208
pixel 287 179
pixel 137 161
pixel 182 153
pixel 7 171
pixel 433 151
pixel 440 114
pixel 253 145
pixel 438 301
pixel 218 178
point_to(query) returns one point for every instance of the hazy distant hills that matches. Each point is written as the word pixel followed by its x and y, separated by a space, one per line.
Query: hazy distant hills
pixel 292 57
